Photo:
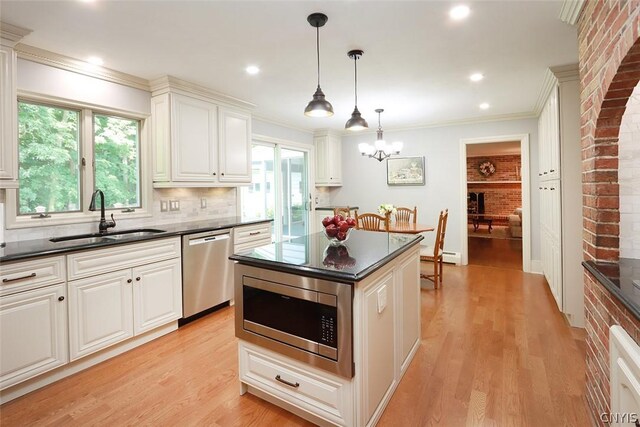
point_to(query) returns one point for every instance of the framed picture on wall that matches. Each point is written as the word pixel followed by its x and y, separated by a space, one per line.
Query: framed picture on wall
pixel 405 171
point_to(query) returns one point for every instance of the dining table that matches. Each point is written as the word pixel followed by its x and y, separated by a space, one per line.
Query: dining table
pixel 409 228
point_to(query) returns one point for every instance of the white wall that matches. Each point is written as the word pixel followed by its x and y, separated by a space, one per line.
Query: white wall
pixel 629 178
pixel 365 184
pixel 261 127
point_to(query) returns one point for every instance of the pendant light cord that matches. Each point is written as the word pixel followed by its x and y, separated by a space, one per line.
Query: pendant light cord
pixel 355 68
pixel 318 51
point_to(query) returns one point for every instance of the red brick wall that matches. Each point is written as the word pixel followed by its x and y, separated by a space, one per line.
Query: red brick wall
pixel 499 198
pixel 609 60
pixel 507 168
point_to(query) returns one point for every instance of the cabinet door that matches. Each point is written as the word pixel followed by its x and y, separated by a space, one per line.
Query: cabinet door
pixel 100 312
pixel 194 139
pixel 8 119
pixel 234 146
pixel 335 160
pixel 379 343
pixel 33 333
pixel 157 294
pixel 322 160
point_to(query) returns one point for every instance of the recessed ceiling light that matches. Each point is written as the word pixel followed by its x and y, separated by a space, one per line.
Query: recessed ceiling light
pixel 252 69
pixel 459 12
pixel 476 77
pixel 95 60
pixel 484 106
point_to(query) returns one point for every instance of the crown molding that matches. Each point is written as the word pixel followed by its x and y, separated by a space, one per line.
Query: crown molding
pixel 570 11
pixel 63 62
pixel 328 132
pixel 553 76
pixel 167 84
pixel 282 124
pixel 12 34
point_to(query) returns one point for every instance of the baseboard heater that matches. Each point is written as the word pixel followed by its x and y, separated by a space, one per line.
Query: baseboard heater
pixel 451 257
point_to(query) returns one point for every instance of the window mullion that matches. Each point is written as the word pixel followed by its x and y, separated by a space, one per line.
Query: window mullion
pixel 88 165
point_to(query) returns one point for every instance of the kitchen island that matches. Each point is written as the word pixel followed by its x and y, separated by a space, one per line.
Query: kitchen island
pixel 327 332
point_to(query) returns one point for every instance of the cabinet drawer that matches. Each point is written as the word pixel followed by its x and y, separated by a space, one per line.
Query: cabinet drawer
pixel 250 245
pixel 23 275
pixel 250 233
pixel 321 395
pixel 89 263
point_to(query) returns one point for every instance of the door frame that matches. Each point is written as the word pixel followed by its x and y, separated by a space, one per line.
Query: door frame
pixel 524 184
pixel 278 144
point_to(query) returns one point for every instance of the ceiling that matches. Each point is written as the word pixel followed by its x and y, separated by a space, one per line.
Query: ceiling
pixel 416 60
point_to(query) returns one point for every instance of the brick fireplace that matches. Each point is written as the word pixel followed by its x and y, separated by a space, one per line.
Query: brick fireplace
pixel 609 60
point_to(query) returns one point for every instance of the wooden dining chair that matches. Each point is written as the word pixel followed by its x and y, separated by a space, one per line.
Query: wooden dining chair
pixel 407 215
pixel 372 222
pixel 342 210
pixel 434 253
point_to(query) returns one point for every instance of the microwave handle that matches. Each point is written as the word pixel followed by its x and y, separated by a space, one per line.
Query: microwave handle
pixel 290 291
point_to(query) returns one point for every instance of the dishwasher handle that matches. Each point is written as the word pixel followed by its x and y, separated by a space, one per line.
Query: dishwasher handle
pixel 209 239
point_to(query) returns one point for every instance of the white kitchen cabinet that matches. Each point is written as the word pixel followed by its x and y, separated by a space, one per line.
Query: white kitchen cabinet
pixel 251 236
pixel 33 333
pixel 200 139
pixel 107 306
pixel 100 312
pixel 194 139
pixel 560 189
pixel 157 296
pixel 8 118
pixel 235 145
pixel 624 371
pixel 408 309
pixel 328 159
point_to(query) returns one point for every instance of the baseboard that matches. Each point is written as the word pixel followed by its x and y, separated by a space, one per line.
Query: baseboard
pixel 536 266
pixel 451 257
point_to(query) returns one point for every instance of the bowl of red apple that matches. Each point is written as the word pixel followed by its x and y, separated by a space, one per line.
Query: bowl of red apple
pixel 337 229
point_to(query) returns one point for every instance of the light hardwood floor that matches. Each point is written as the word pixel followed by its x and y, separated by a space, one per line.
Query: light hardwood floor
pixel 495 351
pixel 503 253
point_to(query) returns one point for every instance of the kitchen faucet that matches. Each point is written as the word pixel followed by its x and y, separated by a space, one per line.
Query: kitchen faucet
pixel 104 224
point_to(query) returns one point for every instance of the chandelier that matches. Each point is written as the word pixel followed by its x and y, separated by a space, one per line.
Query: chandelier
pixel 380 150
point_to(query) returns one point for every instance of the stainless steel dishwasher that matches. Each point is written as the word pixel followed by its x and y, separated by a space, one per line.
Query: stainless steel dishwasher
pixel 207 273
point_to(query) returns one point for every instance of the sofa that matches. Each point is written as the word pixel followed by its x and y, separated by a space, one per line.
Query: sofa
pixel 515 223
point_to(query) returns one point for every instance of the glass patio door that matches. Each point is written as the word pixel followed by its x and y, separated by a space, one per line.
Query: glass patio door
pixel 295 193
pixel 279 190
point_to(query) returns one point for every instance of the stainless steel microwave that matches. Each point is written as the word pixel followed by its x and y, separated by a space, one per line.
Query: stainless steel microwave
pixel 301 317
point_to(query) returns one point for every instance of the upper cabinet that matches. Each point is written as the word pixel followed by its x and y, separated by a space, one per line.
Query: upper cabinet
pixel 328 159
pixel 10 36
pixel 200 139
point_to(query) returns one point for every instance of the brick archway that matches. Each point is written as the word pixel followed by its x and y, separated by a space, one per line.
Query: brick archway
pixel 600 152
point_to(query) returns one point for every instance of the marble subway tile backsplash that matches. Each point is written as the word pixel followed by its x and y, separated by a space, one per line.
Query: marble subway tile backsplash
pixel 220 203
pixel 629 178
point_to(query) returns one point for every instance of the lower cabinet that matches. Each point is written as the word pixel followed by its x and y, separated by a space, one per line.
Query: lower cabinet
pixel 624 371
pixel 109 308
pixel 33 333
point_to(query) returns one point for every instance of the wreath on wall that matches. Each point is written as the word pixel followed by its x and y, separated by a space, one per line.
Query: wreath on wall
pixel 486 168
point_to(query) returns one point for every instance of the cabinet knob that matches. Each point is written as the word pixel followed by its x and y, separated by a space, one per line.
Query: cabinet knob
pixel 60 298
pixel 222 174
pixel 539 174
pixel 545 173
pixel 214 174
pixel 129 280
pixel 138 279
pixel 552 170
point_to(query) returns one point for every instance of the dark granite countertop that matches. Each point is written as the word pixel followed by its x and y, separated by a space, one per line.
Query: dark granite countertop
pixel 40 247
pixel 621 279
pixel 331 208
pixel 363 253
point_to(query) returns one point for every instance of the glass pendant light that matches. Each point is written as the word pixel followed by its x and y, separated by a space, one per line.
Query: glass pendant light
pixel 380 150
pixel 318 106
pixel 356 122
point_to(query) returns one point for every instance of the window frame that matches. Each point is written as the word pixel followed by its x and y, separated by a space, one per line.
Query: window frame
pixel 87 174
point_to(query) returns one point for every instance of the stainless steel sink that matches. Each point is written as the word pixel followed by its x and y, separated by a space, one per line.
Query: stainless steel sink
pixel 97 237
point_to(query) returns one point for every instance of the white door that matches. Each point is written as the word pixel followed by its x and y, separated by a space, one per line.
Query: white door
pixel 33 333
pixel 234 146
pixel 100 312
pixel 295 193
pixel 157 294
pixel 194 139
